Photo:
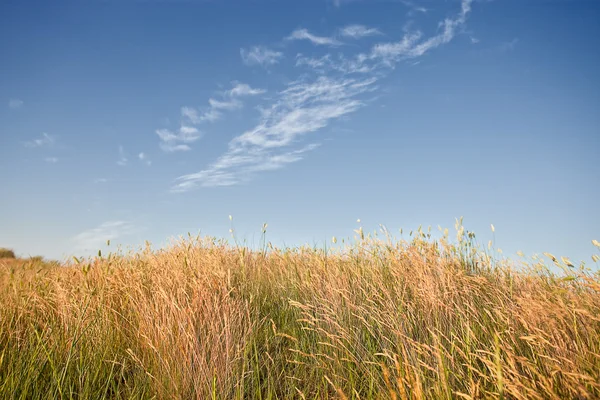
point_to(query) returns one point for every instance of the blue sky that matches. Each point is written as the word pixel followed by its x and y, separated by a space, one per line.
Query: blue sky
pixel 143 120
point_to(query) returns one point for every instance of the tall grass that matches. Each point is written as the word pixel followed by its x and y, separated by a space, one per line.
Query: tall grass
pixel 378 319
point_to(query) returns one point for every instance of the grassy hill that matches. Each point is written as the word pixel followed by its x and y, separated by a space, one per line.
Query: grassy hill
pixel 378 319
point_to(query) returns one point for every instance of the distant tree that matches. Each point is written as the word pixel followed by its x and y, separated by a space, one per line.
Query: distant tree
pixel 6 253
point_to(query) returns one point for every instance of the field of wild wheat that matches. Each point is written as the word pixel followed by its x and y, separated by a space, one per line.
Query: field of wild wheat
pixel 378 319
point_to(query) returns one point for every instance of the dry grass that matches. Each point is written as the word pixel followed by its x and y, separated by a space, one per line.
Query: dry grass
pixel 380 319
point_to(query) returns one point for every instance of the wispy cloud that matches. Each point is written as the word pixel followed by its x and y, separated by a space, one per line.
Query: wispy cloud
pixel 334 87
pixel 51 160
pixel 260 55
pixel 358 31
pixel 13 104
pixel 413 8
pixel 122 161
pixel 93 239
pixel 217 105
pixel 509 46
pixel 359 64
pixel 228 102
pixel 339 3
pixel 191 114
pixel 302 108
pixel 410 47
pixel 392 52
pixel 232 169
pixel 243 89
pixel 388 54
pixel 144 158
pixel 44 140
pixel 213 112
pixel 101 180
pixel 171 141
pixel 304 34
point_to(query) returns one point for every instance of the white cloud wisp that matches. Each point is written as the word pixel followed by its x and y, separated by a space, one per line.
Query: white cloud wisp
pixel 333 87
pixel 302 108
pixel 13 104
pixel 122 162
pixel 172 141
pixel 304 34
pixel 44 140
pixel 260 55
pixel 358 31
pixel 93 239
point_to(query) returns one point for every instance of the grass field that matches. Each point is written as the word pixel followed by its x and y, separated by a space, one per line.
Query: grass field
pixel 376 319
